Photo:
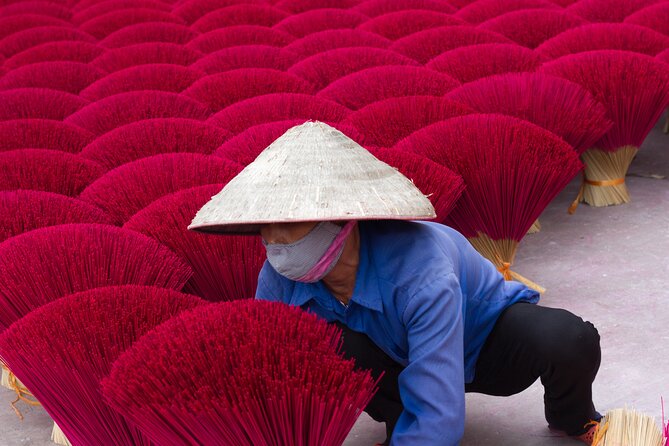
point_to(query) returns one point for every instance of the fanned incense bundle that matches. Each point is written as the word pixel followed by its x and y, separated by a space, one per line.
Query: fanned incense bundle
pixel 19 22
pixel 374 8
pixel 24 210
pixel 629 428
pixel 124 108
pixel 246 56
pixel 43 134
pixel 244 147
pixel 97 9
pixel 605 36
pixel 297 6
pixel 240 35
pixel 40 266
pixel 563 107
pixel 309 22
pixel 384 123
pixel 428 44
pixel 375 84
pixel 655 17
pixel 71 77
pixel 224 268
pixel 395 25
pixel 46 170
pixel 460 4
pixel 511 168
pixel 324 68
pixel 41 103
pixel 277 107
pixel 106 24
pixel 124 191
pixel 473 62
pixel 146 53
pixel 220 90
pixel 635 103
pixel 479 11
pixel 191 10
pixel 608 10
pixel 241 14
pixel 336 38
pixel 236 384
pixel 77 6
pixel 664 57
pixel 72 51
pixel 158 77
pixel 62 350
pixel 37 7
pixel 28 38
pixel 149 137
pixel 149 32
pixel 441 185
pixel 532 27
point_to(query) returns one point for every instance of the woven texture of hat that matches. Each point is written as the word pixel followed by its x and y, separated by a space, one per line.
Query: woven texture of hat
pixel 312 172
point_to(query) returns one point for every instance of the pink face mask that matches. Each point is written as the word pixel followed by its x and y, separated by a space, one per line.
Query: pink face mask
pixel 312 257
pixel 330 258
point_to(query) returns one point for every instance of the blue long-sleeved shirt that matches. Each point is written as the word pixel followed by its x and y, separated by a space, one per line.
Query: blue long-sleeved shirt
pixel 427 299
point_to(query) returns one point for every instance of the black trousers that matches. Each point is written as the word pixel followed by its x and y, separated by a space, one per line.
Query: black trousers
pixel 528 342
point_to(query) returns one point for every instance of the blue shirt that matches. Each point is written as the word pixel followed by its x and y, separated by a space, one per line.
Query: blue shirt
pixel 427 299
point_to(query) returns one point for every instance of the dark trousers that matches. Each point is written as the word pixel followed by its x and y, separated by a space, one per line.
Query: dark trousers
pixel 528 342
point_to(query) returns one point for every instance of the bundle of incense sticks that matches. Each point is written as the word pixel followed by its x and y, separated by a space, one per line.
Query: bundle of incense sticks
pixel 629 428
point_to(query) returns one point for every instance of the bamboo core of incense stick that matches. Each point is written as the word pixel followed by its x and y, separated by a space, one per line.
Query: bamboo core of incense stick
pixel 502 253
pixel 604 181
pixel 4 379
pixel 623 427
pixel 58 437
pixel 536 227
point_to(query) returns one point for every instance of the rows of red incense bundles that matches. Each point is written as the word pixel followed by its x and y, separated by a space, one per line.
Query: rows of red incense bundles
pixel 119 119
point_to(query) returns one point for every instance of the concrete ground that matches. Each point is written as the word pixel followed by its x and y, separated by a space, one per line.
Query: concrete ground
pixel 608 265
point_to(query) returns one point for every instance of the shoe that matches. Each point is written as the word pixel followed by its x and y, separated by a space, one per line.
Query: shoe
pixel 588 437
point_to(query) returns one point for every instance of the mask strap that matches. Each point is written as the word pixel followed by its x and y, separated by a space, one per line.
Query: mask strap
pixel 333 252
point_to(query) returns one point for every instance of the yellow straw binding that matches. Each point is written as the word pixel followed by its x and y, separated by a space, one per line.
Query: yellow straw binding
pixel 22 394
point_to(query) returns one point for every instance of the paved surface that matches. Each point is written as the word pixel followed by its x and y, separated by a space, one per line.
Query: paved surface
pixel 608 265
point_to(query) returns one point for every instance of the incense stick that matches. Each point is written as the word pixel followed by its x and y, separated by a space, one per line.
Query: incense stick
pixel 623 427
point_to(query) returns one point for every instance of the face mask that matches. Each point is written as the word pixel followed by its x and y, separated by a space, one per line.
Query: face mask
pixel 313 256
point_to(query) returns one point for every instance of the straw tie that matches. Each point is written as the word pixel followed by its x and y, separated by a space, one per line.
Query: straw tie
pixel 603 183
pixel 505 269
pixel 22 394
pixel 600 431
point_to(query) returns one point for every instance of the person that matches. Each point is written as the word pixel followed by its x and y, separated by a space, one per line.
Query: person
pixel 344 240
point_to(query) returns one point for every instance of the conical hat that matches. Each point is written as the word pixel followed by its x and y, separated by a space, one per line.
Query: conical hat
pixel 312 172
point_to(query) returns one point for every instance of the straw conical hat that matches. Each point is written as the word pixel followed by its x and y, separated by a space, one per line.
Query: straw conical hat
pixel 313 172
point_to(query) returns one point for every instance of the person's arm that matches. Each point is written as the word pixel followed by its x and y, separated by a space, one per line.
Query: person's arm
pixel 432 386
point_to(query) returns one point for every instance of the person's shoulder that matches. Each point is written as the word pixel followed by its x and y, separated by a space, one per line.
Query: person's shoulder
pixel 407 236
pixel 272 285
pixel 410 253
